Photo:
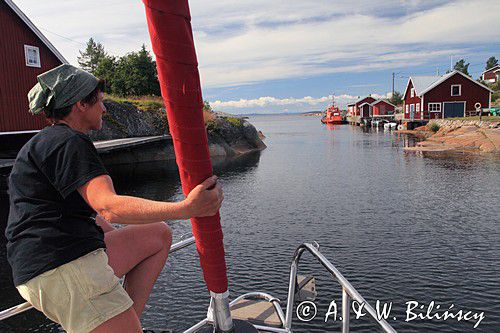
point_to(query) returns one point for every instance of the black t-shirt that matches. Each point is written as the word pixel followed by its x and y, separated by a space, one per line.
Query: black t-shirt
pixel 49 222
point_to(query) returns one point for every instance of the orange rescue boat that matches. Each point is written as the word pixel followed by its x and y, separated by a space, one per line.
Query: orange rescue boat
pixel 333 114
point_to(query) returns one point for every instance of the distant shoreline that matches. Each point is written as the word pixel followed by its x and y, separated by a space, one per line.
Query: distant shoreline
pixel 309 113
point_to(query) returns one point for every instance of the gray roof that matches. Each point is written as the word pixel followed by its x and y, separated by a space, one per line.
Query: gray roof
pixel 497 67
pixel 446 76
pixel 423 84
pixel 420 83
pixel 381 100
pixel 362 98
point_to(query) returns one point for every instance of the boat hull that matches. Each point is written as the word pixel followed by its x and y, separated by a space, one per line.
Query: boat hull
pixel 332 122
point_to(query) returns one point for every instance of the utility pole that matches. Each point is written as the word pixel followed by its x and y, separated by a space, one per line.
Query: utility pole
pixel 393 83
pixel 451 62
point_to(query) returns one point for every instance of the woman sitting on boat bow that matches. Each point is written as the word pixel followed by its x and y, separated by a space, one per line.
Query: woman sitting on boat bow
pixel 66 261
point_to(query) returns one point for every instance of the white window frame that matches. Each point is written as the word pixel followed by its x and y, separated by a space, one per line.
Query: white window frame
pixel 412 92
pixel 406 108
pixel 434 107
pixel 27 49
pixel 459 89
pixel 417 107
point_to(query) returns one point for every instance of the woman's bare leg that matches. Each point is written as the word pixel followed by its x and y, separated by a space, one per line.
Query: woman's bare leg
pixel 125 322
pixel 140 252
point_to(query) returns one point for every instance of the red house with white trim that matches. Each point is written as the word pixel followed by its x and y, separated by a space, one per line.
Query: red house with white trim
pixel 491 75
pixel 382 108
pixel 452 95
pixel 24 54
pixel 362 107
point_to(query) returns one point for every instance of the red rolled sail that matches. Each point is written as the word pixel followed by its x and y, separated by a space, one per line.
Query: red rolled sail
pixel 169 24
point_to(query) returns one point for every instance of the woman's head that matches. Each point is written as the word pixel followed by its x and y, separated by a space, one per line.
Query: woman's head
pixel 59 89
pixel 92 98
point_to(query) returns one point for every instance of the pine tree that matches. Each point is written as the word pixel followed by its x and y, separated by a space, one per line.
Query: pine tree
pixel 106 70
pixel 90 58
pixel 491 62
pixel 136 74
pixel 396 98
pixel 206 106
pixel 461 66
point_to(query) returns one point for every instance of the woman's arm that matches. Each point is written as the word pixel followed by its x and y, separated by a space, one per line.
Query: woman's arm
pixel 204 200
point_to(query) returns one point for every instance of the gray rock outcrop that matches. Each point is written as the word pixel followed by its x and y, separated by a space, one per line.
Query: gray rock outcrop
pixel 231 136
pixel 124 120
pixel 227 135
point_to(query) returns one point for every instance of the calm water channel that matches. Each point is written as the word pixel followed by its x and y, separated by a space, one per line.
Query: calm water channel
pixel 400 227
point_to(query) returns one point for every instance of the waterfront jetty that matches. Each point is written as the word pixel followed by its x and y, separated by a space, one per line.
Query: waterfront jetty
pixel 118 150
pixel 368 109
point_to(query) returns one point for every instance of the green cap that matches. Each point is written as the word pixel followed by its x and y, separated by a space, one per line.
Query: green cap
pixel 60 87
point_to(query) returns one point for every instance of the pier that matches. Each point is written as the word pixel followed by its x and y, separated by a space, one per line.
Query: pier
pixel 358 120
pixel 114 151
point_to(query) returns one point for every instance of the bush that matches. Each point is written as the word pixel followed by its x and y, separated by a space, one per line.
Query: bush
pixel 238 122
pixel 211 126
pixel 224 124
pixel 495 98
pixel 434 127
pixel 495 86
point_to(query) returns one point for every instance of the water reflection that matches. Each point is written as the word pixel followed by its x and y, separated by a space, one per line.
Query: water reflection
pixel 399 226
pixel 156 180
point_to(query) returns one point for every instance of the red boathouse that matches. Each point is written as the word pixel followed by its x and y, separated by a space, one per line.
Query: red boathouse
pixel 452 95
pixel 382 108
pixel 362 107
pixel 24 54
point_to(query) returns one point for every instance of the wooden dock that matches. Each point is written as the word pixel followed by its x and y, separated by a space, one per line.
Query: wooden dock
pixel 105 147
pixel 126 143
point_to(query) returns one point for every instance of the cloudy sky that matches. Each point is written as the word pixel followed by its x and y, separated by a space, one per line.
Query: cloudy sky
pixel 289 56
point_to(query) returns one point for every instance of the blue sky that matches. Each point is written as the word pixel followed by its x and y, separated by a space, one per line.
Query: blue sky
pixel 289 56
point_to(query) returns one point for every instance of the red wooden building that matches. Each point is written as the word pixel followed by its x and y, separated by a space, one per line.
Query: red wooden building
pixel 24 54
pixel 382 108
pixel 491 75
pixel 362 107
pixel 451 95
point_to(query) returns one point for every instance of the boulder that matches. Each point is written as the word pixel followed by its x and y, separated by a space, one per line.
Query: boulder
pixel 234 135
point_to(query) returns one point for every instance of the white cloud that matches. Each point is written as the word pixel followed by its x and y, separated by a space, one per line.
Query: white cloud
pixel 242 42
pixel 324 46
pixel 268 104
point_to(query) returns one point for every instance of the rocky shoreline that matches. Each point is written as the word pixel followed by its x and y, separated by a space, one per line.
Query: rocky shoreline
pixel 457 136
pixel 228 136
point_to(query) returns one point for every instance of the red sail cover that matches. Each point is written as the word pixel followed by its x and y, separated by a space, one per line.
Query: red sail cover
pixel 169 24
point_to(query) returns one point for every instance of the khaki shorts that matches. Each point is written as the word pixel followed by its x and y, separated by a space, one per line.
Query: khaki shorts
pixel 79 295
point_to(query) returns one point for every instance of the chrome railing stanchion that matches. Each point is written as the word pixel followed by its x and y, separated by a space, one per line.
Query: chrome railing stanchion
pixel 347 289
pixel 346 306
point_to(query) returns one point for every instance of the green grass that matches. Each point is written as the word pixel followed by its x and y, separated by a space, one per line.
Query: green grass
pixel 152 104
pixel 484 118
pixel 143 103
pixel 215 127
pixel 434 127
